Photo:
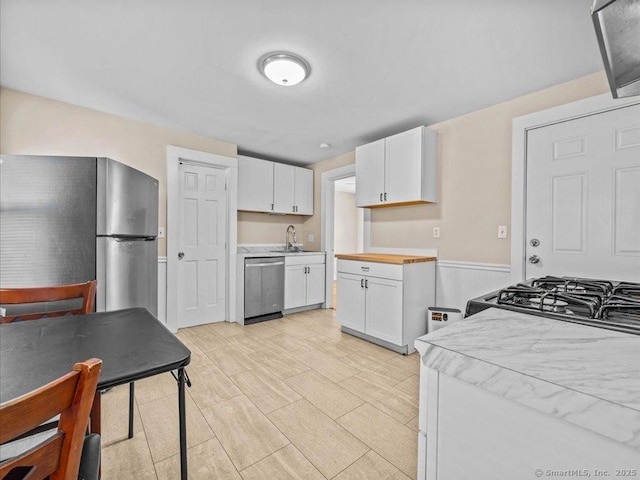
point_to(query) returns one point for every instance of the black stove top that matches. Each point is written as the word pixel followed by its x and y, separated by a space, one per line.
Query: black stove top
pixel 599 303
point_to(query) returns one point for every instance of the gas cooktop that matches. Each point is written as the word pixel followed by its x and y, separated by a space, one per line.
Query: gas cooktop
pixel 599 303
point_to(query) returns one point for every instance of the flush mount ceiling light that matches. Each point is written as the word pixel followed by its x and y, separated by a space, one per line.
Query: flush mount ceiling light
pixel 283 68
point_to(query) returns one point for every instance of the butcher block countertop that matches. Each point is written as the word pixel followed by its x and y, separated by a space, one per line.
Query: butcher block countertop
pixel 385 258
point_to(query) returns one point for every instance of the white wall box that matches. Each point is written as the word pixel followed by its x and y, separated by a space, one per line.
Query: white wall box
pixel 270 187
pixel 398 170
pixel 385 303
pixel 303 281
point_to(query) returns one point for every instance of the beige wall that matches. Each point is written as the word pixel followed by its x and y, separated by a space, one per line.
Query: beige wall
pixel 474 181
pixel 31 125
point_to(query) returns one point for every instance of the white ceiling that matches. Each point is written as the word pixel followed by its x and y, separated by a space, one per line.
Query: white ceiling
pixel 378 66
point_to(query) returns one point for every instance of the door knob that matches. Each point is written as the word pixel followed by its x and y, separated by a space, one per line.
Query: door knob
pixel 181 255
pixel 534 259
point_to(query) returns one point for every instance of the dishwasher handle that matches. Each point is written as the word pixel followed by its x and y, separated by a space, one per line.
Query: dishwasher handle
pixel 270 264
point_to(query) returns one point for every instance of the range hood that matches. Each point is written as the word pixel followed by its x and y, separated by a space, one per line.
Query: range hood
pixel 617 24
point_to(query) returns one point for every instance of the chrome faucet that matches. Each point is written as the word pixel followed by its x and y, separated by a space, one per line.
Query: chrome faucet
pixel 291 230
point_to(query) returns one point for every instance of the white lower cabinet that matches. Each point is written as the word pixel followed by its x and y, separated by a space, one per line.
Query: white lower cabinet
pixel 468 432
pixel 304 279
pixel 385 303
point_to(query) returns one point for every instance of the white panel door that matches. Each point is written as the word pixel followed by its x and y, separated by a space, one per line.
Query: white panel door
pixel 583 197
pixel 315 284
pixel 283 188
pixel 303 191
pixel 295 286
pixel 384 309
pixel 403 166
pixel 370 174
pixel 350 310
pixel 255 184
pixel 202 261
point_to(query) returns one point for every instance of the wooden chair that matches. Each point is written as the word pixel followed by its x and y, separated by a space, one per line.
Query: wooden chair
pixel 14 296
pixel 59 455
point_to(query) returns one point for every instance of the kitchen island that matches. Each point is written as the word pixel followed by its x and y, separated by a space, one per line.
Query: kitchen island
pixel 517 396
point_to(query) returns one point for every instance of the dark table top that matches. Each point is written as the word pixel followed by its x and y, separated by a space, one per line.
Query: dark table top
pixel 131 343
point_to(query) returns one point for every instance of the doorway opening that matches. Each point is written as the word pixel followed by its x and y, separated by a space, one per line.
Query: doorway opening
pixel 348 225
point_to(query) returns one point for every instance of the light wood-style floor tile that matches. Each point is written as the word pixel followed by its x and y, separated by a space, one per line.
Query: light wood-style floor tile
pixel 387 399
pixel 325 443
pixel 245 432
pixel 153 388
pixel 285 464
pixel 413 424
pixel 128 460
pixel 371 349
pixel 265 390
pixel 279 363
pixel 226 329
pixel 160 420
pixel 232 361
pixel 410 386
pixel 205 461
pixel 324 394
pixel 411 363
pixel 383 371
pixel 371 467
pixel 335 348
pixel 246 344
pixel 323 363
pixel 115 415
pixel 209 385
pixel 289 344
pixel 260 330
pixel 394 441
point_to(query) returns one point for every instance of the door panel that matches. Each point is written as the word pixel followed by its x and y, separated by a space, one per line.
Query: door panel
pixel 351 301
pixel 127 200
pixel 403 162
pixel 583 197
pixel 283 188
pixel 315 284
pixel 370 173
pixel 128 274
pixel 304 191
pixel 294 286
pixel 202 237
pixel 384 309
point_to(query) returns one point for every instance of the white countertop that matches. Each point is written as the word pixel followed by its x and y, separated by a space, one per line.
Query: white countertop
pixel 270 251
pixel 585 375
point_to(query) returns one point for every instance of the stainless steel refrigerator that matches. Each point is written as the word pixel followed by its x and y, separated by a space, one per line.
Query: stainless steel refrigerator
pixel 73 219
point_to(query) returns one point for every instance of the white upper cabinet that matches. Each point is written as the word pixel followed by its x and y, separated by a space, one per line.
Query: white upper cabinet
pixel 271 187
pixel 370 173
pixel 303 192
pixel 397 170
pixel 255 184
pixel 284 177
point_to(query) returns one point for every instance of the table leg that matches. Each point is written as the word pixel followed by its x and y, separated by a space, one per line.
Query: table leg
pixel 183 423
pixel 95 418
pixel 131 401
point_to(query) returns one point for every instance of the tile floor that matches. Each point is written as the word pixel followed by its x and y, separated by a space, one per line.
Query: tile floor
pixel 285 399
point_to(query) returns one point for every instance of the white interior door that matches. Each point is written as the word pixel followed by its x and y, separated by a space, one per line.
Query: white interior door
pixel 583 197
pixel 202 237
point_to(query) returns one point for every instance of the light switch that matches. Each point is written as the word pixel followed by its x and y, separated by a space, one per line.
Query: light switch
pixel 310 238
pixel 436 232
pixel 160 232
pixel 502 231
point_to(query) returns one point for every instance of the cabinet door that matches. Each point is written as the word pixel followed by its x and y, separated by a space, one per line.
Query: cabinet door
pixel 283 187
pixel 315 284
pixel 255 184
pixel 370 174
pixel 384 309
pixel 294 286
pixel 350 310
pixel 403 166
pixel 303 191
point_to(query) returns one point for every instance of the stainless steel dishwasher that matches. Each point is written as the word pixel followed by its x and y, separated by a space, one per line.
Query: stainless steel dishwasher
pixel 263 289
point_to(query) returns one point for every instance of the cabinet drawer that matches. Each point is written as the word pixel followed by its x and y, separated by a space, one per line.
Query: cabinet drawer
pixel 304 259
pixel 371 269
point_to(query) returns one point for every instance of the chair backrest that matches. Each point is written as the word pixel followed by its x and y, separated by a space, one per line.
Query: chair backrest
pixel 15 296
pixel 58 456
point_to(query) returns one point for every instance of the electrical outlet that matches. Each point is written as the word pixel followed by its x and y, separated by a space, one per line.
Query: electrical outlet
pixel 160 232
pixel 436 232
pixel 310 238
pixel 502 231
